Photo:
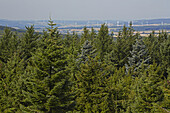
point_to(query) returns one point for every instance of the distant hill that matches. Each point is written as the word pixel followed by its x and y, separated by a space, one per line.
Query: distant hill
pixel 19 31
pixel 152 21
pixel 12 29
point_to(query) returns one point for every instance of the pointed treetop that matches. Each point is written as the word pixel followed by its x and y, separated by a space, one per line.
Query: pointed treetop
pixel 51 24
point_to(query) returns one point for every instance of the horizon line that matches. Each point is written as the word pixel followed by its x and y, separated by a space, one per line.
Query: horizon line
pixel 85 19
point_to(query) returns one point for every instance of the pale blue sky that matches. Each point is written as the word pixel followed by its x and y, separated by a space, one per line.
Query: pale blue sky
pixel 84 9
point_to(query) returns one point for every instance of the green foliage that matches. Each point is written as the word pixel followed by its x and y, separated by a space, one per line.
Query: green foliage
pixel 149 94
pixel 158 50
pixel 86 51
pixel 29 43
pixel 5 45
pixel 139 57
pixel 50 85
pixel 85 35
pixel 51 73
pixel 11 88
pixel 51 28
pixel 121 47
pixel 118 86
pixel 91 94
pixel 165 56
pixel 153 44
pixel 103 42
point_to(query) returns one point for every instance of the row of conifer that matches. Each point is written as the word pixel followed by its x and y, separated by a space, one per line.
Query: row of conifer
pixel 91 73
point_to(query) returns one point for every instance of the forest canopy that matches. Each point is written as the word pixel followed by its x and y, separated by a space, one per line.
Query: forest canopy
pixel 91 73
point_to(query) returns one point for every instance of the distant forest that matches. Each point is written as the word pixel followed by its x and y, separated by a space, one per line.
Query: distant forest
pixel 88 73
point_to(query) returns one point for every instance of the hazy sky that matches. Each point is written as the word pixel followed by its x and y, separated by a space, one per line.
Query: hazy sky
pixel 84 9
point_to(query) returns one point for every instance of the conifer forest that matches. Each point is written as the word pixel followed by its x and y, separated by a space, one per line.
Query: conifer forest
pixel 89 73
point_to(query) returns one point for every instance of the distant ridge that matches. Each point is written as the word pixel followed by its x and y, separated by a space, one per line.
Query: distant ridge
pixel 43 23
pixel 77 25
pixel 12 29
pixel 154 21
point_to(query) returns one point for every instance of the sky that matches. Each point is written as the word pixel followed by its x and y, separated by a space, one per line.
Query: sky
pixel 84 9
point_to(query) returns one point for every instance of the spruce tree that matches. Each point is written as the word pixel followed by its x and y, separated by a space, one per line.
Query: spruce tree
pixel 166 90
pixel 118 56
pixel 90 86
pixel 5 45
pixel 67 40
pixel 29 43
pixel 72 66
pixel 121 48
pixel 11 87
pixel 119 89
pixel 139 57
pixel 85 35
pixel 103 42
pixel 52 29
pixel 92 36
pixel 165 56
pixel 149 93
pixel 87 50
pixel 50 79
pixel 153 44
